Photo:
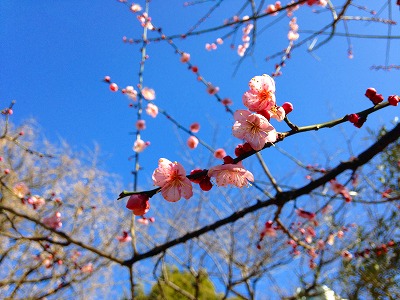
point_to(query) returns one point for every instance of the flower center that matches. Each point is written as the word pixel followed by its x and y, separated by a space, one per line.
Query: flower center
pixel 265 95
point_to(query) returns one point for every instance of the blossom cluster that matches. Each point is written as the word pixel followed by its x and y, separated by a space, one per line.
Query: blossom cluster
pixel 251 125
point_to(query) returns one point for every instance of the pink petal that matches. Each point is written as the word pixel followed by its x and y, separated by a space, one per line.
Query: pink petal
pixel 186 189
pixel 171 192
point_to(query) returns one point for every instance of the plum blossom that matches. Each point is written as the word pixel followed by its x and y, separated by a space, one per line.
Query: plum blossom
pixel 340 189
pixel 185 57
pixel 140 145
pixel 261 95
pixel 331 239
pixel 53 221
pixel 145 21
pixel 171 177
pixel 347 255
pixel 305 214
pixel 36 201
pixel 135 7
pixel 124 238
pixel 138 204
pixel 130 92
pixel 293 34
pixel 152 110
pixel 192 142
pixel 20 189
pixel 268 230
pixel 253 128
pixel 88 268
pixel 234 174
pixel 148 93
pixel 143 221
pixel 211 89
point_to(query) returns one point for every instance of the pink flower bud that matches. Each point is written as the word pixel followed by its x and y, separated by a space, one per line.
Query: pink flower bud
pixel 219 153
pixel 192 142
pixel 141 125
pixel 139 204
pixel 113 87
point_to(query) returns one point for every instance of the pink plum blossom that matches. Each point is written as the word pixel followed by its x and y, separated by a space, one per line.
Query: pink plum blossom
pixel 135 7
pixel 253 128
pixel 331 239
pixel 268 230
pixel 130 92
pixel 124 238
pixel 212 90
pixel 192 142
pixel 148 93
pixel 140 145
pixel 141 124
pixel 261 95
pixel 88 268
pixel 53 221
pixel 143 221
pixel 171 177
pixel 340 189
pixel 185 57
pixel 152 110
pixel 234 174
pixel 36 201
pixel 20 189
pixel 138 204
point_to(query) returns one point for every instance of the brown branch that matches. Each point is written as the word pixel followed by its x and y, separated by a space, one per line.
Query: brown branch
pixel 281 198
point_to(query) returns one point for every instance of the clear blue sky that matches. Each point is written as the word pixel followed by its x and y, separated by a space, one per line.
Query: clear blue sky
pixel 54 54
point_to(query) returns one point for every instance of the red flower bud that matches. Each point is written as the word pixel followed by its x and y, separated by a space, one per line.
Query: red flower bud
pixel 228 160
pixel 378 98
pixel 353 118
pixel 239 150
pixel 206 184
pixel 370 92
pixel 394 100
pixel 288 107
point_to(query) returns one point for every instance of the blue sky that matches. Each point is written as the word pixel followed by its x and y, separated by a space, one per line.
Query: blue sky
pixel 54 55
